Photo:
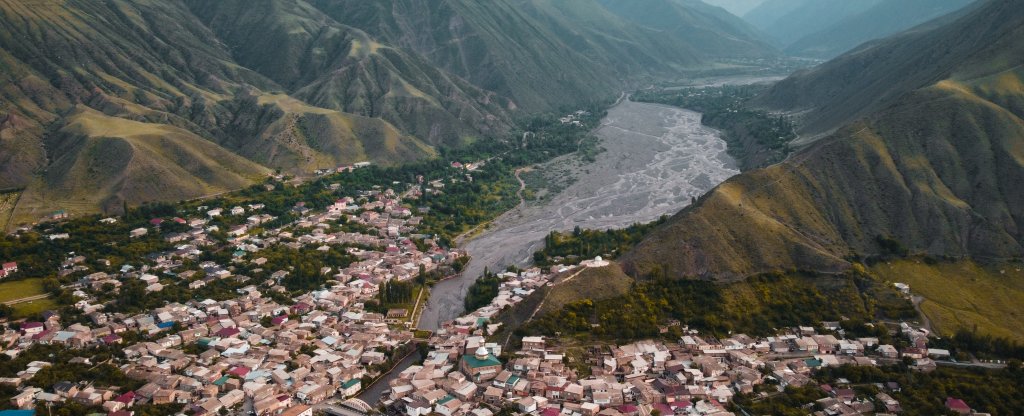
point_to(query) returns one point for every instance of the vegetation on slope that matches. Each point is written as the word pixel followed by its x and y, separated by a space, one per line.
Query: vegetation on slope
pixel 881 20
pixel 754 306
pixel 981 299
pixel 920 394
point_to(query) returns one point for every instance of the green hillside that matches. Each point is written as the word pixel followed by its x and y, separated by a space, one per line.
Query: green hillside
pixel 711 31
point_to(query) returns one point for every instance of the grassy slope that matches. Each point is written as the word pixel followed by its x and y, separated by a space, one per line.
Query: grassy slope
pixel 544 54
pixel 153 62
pixel 103 160
pixel 711 32
pixel 301 138
pixel 591 283
pixel 882 20
pixel 964 295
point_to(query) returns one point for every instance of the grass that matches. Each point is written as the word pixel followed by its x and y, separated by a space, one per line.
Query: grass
pixel 17 289
pixel 411 306
pixel 591 283
pixel 964 295
pixel 33 308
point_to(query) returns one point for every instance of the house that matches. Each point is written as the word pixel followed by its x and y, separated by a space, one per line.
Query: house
pixel 351 388
pixel 10 268
pixel 32 328
pixel 533 343
pixel 138 232
pixel 887 351
pixel 300 410
pixel 481 366
pixel 958 406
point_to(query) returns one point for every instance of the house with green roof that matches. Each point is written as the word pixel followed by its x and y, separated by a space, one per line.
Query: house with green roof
pixel 481 366
pixel 351 388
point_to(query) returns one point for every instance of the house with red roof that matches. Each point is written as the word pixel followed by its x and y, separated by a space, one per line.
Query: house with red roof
pixel 127 398
pixel 239 371
pixel 228 332
pixel 111 339
pixel 32 328
pixel 10 267
pixel 958 406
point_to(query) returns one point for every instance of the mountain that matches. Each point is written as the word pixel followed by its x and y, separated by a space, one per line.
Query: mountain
pixel 331 65
pixel 870 77
pixel 296 85
pixel 714 32
pixel 544 54
pixel 786 21
pixel 87 80
pixel 884 19
pixel 932 167
pixel 736 7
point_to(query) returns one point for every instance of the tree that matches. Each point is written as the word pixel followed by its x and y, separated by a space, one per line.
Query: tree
pixel 421 278
pixel 51 285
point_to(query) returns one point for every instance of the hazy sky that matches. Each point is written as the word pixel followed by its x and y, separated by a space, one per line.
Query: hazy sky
pixel 736 7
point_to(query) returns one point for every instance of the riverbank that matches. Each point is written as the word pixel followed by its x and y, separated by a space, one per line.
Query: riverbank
pixel 656 159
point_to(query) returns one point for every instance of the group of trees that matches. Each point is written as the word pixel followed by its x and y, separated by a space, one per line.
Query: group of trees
pixel 586 244
pixel 482 292
pixel 999 392
pixel 396 293
pixel 756 306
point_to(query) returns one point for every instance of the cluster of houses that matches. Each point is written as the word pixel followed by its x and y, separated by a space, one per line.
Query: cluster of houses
pixel 574 119
pixel 251 351
pixel 695 375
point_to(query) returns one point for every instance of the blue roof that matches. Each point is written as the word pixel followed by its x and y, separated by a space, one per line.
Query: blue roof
pixel 17 412
pixel 165 325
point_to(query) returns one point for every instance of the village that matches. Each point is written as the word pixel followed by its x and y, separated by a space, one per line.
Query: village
pixel 251 354
pixel 694 375
pixel 261 354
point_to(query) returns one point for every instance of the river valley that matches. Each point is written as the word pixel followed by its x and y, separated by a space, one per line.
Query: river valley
pixel 656 159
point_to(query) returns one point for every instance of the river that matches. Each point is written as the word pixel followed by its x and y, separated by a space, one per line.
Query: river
pixel 656 159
